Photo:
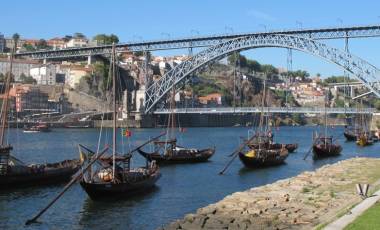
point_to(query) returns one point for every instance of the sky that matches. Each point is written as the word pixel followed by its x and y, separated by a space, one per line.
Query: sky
pixel 148 20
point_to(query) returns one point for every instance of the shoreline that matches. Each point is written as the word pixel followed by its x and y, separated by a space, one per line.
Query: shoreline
pixel 308 200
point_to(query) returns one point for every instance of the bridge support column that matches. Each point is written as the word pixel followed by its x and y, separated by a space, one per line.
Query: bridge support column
pixel 44 61
pixel 89 60
pixel 352 92
pixel 146 69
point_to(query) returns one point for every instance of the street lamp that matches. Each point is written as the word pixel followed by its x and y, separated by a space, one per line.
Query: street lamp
pixel 194 31
pixel 228 28
pixel 166 34
pixel 299 23
pixel 264 26
pixel 340 21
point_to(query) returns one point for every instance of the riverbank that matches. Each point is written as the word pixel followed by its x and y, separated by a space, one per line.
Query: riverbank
pixel 309 200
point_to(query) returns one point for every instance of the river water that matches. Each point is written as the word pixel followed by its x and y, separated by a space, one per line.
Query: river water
pixel 181 189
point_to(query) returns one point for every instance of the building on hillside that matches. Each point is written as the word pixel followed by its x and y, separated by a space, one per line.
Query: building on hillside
pixel 32 99
pixel 44 75
pixel 57 43
pixel 2 43
pixel 213 99
pixel 20 66
pixel 77 42
pixel 9 43
pixel 74 74
pixel 32 42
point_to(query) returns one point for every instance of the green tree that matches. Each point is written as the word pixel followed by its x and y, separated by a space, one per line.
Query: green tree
pixel 253 65
pixel 29 47
pixel 67 38
pixel 42 44
pixel 79 35
pixel 106 39
pixel 377 104
pixel 27 79
pixel 15 38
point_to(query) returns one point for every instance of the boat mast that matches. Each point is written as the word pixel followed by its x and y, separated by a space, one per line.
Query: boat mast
pixel 262 108
pixel 113 60
pixel 4 107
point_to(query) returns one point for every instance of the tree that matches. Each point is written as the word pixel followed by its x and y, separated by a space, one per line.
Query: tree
pixel 15 38
pixel 338 79
pixel 27 79
pixel 42 44
pixel 29 47
pixel 106 39
pixel 253 65
pixel 79 35
pixel 67 38
pixel 269 70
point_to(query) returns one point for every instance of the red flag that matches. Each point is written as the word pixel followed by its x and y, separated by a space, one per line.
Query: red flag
pixel 128 133
pixel 182 130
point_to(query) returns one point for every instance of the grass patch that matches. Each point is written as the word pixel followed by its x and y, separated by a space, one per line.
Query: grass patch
pixel 368 220
pixel 305 190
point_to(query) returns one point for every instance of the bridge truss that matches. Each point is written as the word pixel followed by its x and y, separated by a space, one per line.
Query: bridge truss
pixel 204 41
pixel 362 70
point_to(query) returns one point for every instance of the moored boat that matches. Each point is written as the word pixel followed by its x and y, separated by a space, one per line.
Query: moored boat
pixel 255 158
pixel 175 154
pixel 325 147
pixel 168 152
pixel 364 139
pixel 350 135
pixel 114 176
pixel 107 183
pixel 15 173
pixel 42 127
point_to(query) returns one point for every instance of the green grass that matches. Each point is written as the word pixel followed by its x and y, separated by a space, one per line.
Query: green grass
pixel 370 219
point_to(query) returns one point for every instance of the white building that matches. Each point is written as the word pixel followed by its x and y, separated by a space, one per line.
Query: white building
pixel 77 42
pixel 44 75
pixel 73 74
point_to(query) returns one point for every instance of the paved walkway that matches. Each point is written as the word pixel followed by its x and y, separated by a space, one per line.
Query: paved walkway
pixel 359 209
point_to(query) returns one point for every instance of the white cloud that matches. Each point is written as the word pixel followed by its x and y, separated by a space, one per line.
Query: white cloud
pixel 260 15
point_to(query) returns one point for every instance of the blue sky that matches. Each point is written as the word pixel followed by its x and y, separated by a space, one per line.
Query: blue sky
pixel 144 20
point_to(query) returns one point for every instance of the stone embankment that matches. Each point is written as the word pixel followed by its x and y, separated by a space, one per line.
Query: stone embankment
pixel 309 200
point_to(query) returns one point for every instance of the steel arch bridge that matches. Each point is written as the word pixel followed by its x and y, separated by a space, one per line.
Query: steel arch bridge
pixel 366 73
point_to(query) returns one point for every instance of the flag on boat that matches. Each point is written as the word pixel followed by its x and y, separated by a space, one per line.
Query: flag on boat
pixel 127 133
pixel 82 157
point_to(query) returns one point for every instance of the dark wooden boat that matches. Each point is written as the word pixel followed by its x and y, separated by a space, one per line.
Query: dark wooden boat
pixel 37 128
pixel 325 147
pixel 14 173
pixel 103 185
pixel 364 139
pixel 350 135
pixel 290 147
pixel 255 158
pixel 175 154
pixel 168 152
pixel 114 176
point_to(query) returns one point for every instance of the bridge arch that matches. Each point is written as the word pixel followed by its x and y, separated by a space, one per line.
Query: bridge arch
pixel 366 73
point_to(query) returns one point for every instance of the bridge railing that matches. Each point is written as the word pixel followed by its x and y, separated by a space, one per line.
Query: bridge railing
pixel 311 110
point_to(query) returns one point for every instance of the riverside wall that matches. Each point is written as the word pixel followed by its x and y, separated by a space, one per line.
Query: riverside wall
pixel 307 201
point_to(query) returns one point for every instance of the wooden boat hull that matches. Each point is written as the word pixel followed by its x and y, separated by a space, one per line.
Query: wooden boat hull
pixel 290 147
pixel 50 174
pixel 98 191
pixel 321 151
pixel 180 157
pixel 350 136
pixel 276 158
pixel 364 142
